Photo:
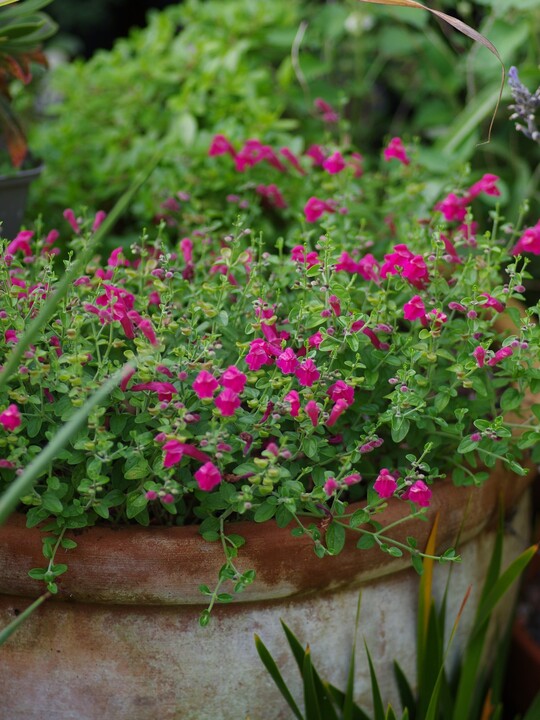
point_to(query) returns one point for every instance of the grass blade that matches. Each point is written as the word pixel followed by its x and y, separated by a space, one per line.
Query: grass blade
pixel 311 702
pixel 273 670
pixel 406 696
pixel 375 690
pixel 6 632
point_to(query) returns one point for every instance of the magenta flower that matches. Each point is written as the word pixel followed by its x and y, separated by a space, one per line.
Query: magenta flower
pixel 233 379
pixel 418 493
pixel 316 339
pixel 312 411
pixel 385 485
pixel 145 326
pixel 415 309
pixel 396 150
pixel 492 302
pixel 334 164
pixel 316 153
pixel 10 419
pixel 20 243
pixel 451 252
pixel 338 409
pixel 272 194
pixel 529 242
pixel 335 305
pixel 330 486
pixel 501 354
pixel 204 385
pixel 72 220
pixel 307 373
pixel 220 146
pixel 298 254
pixel 291 157
pixel 287 362
pixel 352 479
pixel 329 115
pixel 227 402
pixel 208 476
pixel 453 208
pixel 186 248
pixel 151 495
pixel 315 208
pixel 175 451
pixel 479 355
pixel 294 401
pixel 341 391
pixel 487 185
pixel 164 390
pixel 259 354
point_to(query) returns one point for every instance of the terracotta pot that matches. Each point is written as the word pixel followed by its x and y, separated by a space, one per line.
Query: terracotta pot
pixel 122 641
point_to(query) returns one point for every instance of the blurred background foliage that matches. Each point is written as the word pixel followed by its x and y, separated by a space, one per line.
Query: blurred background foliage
pixel 225 66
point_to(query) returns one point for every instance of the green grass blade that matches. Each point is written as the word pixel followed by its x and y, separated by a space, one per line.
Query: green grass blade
pixel 533 713
pixel 378 707
pixel 349 691
pixel 390 714
pixel 74 270
pixel 311 702
pixel 6 632
pixel 273 670
pixel 296 647
pixel 339 700
pixel 21 486
pixel 406 696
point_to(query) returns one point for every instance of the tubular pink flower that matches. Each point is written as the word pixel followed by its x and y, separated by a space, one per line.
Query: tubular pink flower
pixel 227 402
pixel 291 157
pixel 330 486
pixel 287 362
pixel 208 476
pixel 352 479
pixel 258 355
pixel 294 401
pixel 298 254
pixel 233 379
pixel 21 243
pixel 315 208
pixel 315 340
pixel 312 411
pixel 453 208
pixel 205 385
pixel 10 419
pixel 72 220
pixel 98 220
pixel 418 493
pixel 334 164
pixel 147 329
pixel 385 485
pixel 307 373
pixel 368 268
pixel 272 194
pixel 164 390
pixel 316 153
pixel 487 185
pixel 529 242
pixel 341 391
pixel 451 251
pixel 126 377
pixel 186 247
pixel 338 410
pixel 335 305
pixel 175 451
pixel 479 355
pixel 328 114
pixel 396 150
pixel 492 302
pixel 500 355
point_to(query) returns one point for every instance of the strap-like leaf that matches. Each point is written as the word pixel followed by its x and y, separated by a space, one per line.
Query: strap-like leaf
pixel 273 670
pixel 6 632
pixel 313 710
pixel 378 706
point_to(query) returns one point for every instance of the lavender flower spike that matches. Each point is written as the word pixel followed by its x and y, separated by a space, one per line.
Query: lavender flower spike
pixel 525 106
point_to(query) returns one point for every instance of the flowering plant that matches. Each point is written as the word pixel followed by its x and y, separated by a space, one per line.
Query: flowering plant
pixel 355 357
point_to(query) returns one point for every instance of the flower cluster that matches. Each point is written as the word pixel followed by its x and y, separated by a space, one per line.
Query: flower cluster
pixel 276 377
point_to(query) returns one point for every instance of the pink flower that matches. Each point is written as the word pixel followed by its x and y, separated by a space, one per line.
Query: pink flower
pixel 164 390
pixel 315 208
pixel 451 251
pixel 272 194
pixel 287 362
pixel 186 247
pixel 10 336
pixel 418 493
pixel 307 373
pixel 175 451
pixel 492 302
pixel 415 272
pixel 501 354
pixel 437 318
pixel 21 242
pixel 335 305
pixel 72 220
pixel 208 476
pixel 529 242
pixel 315 340
pixel 316 153
pixel 352 479
pixel 291 157
pixel 204 385
pixel 385 485
pixel 453 208
pixel 415 309
pixel 298 254
pixel 396 150
pixel 227 402
pixel 334 164
pixel 10 419
pixel 220 146
pixel 255 152
pixel 126 377
pixel 479 355
pixel 329 115
pixel 147 329
pixel 233 379
pixel 259 354
pixel 151 495
pixel 341 391
pixel 338 409
pixel 312 411
pixel 294 401
pixel 368 268
pixel 98 220
pixel 486 185
pixel 330 486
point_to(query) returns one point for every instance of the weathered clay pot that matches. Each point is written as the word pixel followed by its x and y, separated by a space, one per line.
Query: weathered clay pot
pixel 13 195
pixel 122 641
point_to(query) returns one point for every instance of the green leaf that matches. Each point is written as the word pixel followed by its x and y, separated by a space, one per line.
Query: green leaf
pixel 366 542
pixel 7 631
pixel 335 538
pixel 136 503
pixel 51 502
pixel 137 470
pixel 399 428
pixel 378 707
pixel 265 512
pixel 310 447
pixel 359 517
pixel 511 399
pixel 270 664
pixel 310 695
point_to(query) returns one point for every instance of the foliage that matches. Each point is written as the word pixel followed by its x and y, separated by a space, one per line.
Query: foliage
pixel 23 29
pixel 470 692
pixel 274 376
pixel 212 67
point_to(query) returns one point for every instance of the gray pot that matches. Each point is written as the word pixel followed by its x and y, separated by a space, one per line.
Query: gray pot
pixel 13 195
